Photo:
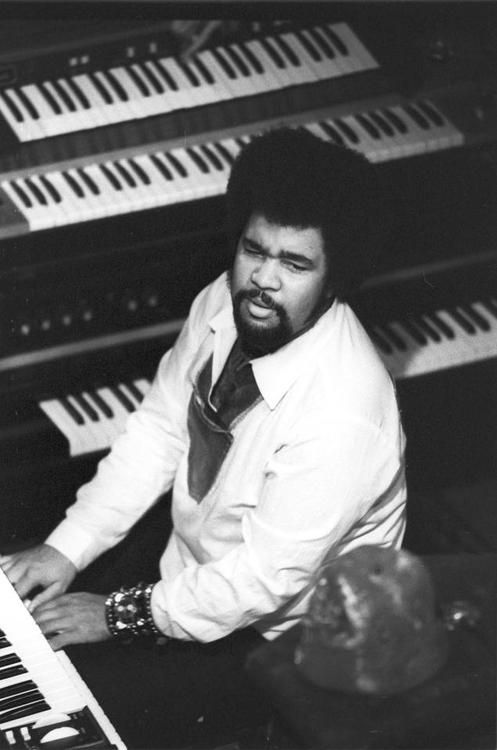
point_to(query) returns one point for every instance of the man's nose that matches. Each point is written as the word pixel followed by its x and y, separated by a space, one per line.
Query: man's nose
pixel 266 274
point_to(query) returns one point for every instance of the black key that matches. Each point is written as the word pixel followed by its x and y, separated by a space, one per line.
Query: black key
pixel 322 43
pixel 28 104
pixel 22 194
pixel 89 181
pixel 176 164
pixel 491 306
pixel 20 700
pixel 4 643
pixel 73 184
pixel 101 404
pixel 429 110
pixel 368 126
pixel 52 191
pixel 78 93
pixel 417 116
pixel 50 98
pixel 36 191
pixel 62 92
pixel 273 54
pixel 332 133
pixel 128 178
pixel 463 322
pixel 8 659
pixel 72 411
pixel 221 148
pixel 256 64
pixel 188 71
pixel 224 63
pixel 287 51
pixel 442 325
pixel 381 342
pixel 346 130
pixel 19 687
pixel 86 407
pixel 335 40
pixel 308 46
pixel 414 332
pixel 139 171
pixel 429 329
pixel 395 120
pixel 212 157
pixel 165 74
pixel 16 112
pixel 231 52
pixel 201 164
pixel 111 177
pixel 124 400
pixel 204 70
pixel 396 340
pixel 116 85
pixel 161 167
pixel 19 713
pixel 12 672
pixel 475 316
pixel 135 391
pixel 102 90
pixel 139 82
pixel 382 123
pixel 152 79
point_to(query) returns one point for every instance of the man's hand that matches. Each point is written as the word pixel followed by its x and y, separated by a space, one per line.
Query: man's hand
pixel 39 567
pixel 73 618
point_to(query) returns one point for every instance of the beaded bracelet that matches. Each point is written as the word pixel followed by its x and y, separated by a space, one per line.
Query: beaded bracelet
pixel 128 614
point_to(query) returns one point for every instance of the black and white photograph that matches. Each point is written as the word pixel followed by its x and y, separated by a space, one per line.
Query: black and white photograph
pixel 248 375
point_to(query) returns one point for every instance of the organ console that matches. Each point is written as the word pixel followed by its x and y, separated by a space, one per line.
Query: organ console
pixel 114 158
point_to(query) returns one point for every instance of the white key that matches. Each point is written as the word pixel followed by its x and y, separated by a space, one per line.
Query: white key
pixel 98 105
pixel 270 81
pixel 303 72
pixel 28 128
pixel 312 69
pixel 95 436
pixel 362 59
pixel 37 215
pixel 77 439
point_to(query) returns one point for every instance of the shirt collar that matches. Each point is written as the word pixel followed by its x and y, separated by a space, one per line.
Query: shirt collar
pixel 274 373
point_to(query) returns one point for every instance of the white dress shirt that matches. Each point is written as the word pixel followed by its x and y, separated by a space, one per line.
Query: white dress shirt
pixel 316 468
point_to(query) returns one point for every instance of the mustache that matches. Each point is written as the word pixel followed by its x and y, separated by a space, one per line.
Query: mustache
pixel 261 295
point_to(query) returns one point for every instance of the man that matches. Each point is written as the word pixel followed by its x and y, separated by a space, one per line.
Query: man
pixel 272 418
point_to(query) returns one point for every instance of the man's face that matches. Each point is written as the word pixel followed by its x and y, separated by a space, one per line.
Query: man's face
pixel 278 282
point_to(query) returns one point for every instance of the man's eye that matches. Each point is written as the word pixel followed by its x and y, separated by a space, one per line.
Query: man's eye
pixel 252 250
pixel 294 266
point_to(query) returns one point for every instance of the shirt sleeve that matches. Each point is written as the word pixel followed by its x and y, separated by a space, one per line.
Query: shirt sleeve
pixel 321 493
pixel 142 462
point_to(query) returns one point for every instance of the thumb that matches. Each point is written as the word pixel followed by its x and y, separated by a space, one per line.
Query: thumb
pixel 44 596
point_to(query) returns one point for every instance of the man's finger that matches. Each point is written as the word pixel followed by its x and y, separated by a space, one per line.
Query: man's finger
pixel 45 596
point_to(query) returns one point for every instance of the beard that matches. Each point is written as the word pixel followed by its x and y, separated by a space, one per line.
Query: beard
pixel 257 340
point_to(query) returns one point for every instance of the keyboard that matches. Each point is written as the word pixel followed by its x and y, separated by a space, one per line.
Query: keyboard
pixel 161 85
pixel 42 696
pixel 151 178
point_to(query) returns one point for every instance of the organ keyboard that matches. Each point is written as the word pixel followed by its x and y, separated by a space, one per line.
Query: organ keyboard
pixel 42 697
pixel 162 85
pixel 37 200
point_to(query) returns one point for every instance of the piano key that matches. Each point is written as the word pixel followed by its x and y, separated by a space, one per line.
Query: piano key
pixel 357 55
pixel 296 58
pixel 18 116
pixel 457 343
